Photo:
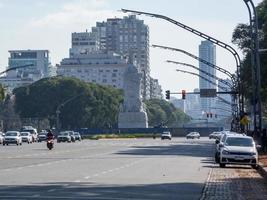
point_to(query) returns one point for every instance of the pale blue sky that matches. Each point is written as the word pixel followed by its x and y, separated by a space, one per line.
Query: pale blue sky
pixel 47 24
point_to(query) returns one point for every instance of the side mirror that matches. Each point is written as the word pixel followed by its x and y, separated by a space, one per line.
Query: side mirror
pixel 258 147
pixel 217 141
pixel 221 145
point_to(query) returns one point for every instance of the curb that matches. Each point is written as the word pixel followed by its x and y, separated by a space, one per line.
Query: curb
pixel 262 171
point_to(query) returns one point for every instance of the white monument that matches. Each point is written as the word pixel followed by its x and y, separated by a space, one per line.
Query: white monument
pixel 132 113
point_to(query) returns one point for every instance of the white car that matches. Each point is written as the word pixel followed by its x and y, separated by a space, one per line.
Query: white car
pixel 26 137
pixel 166 135
pixel 32 130
pixel 12 137
pixel 193 135
pixel 220 142
pixel 1 137
pixel 239 149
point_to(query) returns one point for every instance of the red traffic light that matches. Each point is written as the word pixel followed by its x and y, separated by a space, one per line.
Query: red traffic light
pixel 183 94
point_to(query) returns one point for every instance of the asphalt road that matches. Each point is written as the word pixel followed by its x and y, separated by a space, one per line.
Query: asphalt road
pixel 106 169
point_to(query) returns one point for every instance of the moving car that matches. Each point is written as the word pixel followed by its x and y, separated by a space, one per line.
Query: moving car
pixel 193 135
pixel 32 130
pixel 239 149
pixel 42 136
pixel 215 135
pixel 26 137
pixel 64 136
pixel 77 136
pixel 166 135
pixel 12 137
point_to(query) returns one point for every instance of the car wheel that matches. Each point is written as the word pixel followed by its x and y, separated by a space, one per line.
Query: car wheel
pixel 20 143
pixel 3 144
pixel 217 160
pixel 222 165
pixel 6 144
pixel 255 166
pixel 17 143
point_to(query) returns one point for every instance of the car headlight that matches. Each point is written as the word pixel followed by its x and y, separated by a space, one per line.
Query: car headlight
pixel 225 152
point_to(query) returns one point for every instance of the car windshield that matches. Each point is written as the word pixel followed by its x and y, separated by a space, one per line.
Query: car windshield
pixel 64 133
pixel 241 142
pixel 24 134
pixel 11 134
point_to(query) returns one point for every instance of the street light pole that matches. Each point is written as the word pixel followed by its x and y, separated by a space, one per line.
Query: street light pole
pixel 255 62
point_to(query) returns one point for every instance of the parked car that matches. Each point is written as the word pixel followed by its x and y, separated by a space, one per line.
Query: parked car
pixel 77 136
pixel 32 130
pixel 42 136
pixel 219 143
pixel 239 149
pixel 12 137
pixel 64 136
pixel 26 137
pixel 193 135
pixel 166 135
pixel 1 137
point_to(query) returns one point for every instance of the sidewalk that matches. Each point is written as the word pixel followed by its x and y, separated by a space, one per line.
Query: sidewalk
pixel 263 165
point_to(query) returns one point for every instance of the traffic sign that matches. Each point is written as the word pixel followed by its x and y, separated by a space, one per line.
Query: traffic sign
pixel 208 93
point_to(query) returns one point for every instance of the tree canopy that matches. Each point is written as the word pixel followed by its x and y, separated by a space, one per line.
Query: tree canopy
pixel 162 112
pixel 241 37
pixel 80 104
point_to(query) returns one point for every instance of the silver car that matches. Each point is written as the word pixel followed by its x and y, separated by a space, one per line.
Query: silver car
pixel 12 137
pixel 193 135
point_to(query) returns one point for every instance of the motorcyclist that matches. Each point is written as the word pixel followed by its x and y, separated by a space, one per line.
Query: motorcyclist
pixel 49 135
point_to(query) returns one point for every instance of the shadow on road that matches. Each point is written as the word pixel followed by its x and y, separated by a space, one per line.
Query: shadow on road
pixel 196 149
pixel 87 190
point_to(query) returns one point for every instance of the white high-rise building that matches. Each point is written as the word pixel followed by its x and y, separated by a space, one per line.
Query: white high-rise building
pixel 40 68
pixel 128 37
pixel 207 51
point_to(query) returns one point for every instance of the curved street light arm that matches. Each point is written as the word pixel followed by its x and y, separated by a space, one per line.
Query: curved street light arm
pixel 14 68
pixel 187 72
pixel 232 77
pixel 196 32
pixel 204 72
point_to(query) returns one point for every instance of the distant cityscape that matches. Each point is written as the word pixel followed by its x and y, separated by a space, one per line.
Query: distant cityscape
pixel 101 55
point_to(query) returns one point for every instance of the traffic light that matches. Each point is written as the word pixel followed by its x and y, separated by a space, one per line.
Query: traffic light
pixel 210 115
pixel 207 115
pixel 167 94
pixel 183 94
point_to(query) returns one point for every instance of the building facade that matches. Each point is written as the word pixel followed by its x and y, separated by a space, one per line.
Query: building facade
pixel 40 68
pixel 99 68
pixel 128 37
pixel 207 52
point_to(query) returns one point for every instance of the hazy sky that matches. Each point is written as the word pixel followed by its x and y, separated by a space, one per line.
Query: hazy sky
pixel 47 24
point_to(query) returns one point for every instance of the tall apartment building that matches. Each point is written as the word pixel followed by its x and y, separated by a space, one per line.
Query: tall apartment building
pixel 207 51
pixel 39 58
pixel 23 76
pixel 128 37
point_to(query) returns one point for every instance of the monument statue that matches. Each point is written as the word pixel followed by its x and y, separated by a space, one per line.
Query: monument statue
pixel 132 113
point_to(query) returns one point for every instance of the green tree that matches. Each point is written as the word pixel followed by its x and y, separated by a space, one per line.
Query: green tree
pixel 241 37
pixel 160 111
pixel 95 106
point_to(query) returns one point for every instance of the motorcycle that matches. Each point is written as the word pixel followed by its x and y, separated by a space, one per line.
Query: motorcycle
pixel 50 143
